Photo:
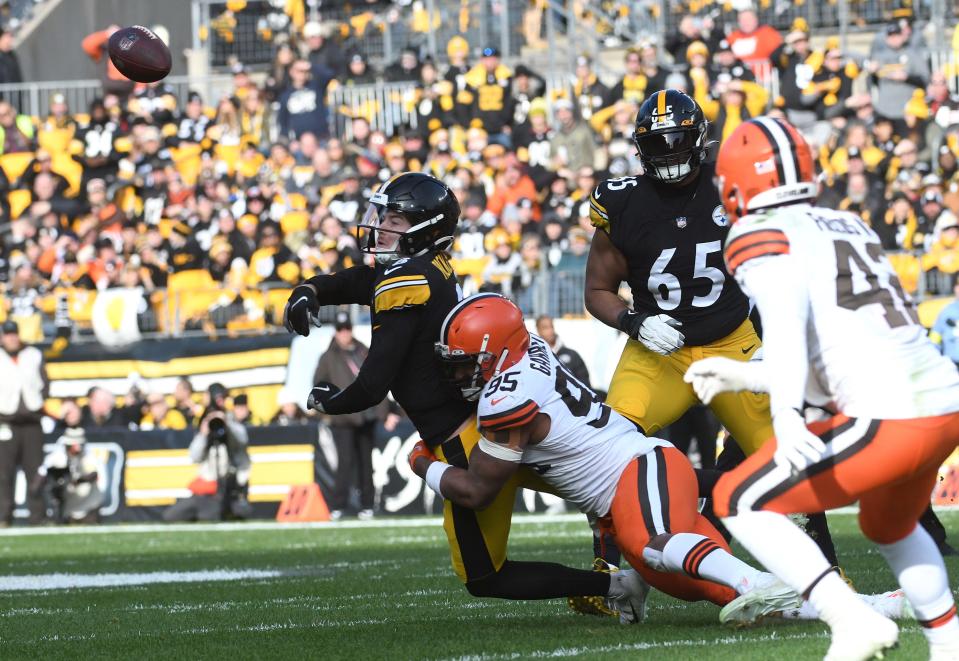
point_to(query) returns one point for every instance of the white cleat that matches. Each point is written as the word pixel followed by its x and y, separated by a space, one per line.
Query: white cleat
pixel 628 592
pixel 862 635
pixel 944 652
pixel 893 605
pixel 766 596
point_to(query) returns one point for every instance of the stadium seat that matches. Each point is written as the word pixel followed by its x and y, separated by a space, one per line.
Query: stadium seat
pixel 294 221
pixel 71 170
pixel 229 154
pixel 15 164
pixel 187 161
pixel 55 141
pixel 275 303
pixel 19 201
pixel 930 308
pixel 192 279
pixel 907 268
pixel 80 305
pixel 470 267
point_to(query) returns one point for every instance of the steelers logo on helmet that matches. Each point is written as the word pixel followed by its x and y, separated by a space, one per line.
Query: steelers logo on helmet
pixel 670 135
pixel 410 214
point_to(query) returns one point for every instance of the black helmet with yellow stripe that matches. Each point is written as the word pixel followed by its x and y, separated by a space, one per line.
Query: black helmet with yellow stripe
pixel 410 214
pixel 670 135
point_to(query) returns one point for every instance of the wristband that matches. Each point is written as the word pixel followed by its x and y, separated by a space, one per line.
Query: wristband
pixel 434 474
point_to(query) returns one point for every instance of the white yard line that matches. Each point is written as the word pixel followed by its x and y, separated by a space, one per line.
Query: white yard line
pixel 379 523
pixel 63 581
pixel 563 652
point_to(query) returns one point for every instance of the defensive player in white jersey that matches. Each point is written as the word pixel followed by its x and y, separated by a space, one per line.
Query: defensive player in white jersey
pixel 840 334
pixel 533 412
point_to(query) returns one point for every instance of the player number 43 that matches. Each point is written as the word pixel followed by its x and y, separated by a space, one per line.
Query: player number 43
pixel 665 286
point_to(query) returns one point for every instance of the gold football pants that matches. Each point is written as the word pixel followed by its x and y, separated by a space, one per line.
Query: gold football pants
pixel 649 389
pixel 478 539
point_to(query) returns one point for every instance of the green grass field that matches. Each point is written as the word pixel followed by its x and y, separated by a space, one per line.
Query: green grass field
pixel 357 591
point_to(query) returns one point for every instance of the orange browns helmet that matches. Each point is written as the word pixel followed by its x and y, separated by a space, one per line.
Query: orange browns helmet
pixel 480 337
pixel 764 162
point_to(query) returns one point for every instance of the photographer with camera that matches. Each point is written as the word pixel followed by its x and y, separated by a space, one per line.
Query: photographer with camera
pixel 219 448
pixel 68 481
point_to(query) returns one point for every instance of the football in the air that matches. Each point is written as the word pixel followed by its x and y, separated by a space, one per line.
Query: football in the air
pixel 139 54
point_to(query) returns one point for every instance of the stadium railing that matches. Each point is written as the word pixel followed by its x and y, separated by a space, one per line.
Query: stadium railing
pixel 34 98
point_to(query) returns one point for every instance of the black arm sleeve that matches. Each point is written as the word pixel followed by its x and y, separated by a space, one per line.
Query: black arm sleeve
pixel 393 335
pixel 352 285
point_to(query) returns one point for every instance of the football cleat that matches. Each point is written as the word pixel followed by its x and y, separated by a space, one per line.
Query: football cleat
pixel 862 635
pixel 891 604
pixel 768 595
pixel 594 604
pixel 630 592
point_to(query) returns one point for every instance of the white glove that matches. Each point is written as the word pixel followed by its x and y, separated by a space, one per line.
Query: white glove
pixel 657 332
pixel 711 376
pixel 796 446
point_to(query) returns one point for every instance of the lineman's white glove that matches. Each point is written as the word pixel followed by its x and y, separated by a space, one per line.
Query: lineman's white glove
pixel 711 376
pixel 658 333
pixel 796 446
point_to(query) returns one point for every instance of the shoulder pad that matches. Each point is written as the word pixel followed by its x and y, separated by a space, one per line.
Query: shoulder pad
pixel 402 284
pixel 752 238
pixel 505 410
pixel 608 199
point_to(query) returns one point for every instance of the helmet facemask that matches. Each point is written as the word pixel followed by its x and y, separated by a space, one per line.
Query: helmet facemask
pixel 388 245
pixel 670 156
pixel 384 244
pixel 469 372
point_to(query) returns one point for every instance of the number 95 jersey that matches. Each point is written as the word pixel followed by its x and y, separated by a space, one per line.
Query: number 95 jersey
pixel 672 238
pixel 588 445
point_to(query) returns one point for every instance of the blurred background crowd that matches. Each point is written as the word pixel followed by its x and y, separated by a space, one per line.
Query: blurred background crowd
pixel 209 207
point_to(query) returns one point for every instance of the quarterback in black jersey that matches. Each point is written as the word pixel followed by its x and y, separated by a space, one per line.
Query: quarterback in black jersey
pixel 663 233
pixel 409 225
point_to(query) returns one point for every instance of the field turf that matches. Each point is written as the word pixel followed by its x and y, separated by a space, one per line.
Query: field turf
pixel 356 591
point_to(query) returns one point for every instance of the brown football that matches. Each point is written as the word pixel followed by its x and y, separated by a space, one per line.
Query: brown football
pixel 139 54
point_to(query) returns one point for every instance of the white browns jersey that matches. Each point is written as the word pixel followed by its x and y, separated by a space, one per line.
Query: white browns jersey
pixel 868 355
pixel 588 445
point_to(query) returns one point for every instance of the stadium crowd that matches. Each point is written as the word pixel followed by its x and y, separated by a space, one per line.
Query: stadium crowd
pixel 214 207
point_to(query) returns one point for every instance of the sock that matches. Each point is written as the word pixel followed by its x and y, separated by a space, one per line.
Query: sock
pixel 918 566
pixel 604 546
pixel 539 580
pixel 700 557
pixel 780 546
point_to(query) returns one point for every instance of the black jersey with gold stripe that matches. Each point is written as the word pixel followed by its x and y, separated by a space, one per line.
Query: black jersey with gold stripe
pixel 672 237
pixel 418 293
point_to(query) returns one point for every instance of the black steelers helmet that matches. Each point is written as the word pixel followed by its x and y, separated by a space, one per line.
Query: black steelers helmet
pixel 425 202
pixel 670 135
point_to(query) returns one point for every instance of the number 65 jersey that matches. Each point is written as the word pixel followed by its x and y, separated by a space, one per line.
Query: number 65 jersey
pixel 868 354
pixel 588 445
pixel 672 238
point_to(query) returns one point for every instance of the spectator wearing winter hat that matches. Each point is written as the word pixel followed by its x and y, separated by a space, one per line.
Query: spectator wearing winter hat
pixel 896 71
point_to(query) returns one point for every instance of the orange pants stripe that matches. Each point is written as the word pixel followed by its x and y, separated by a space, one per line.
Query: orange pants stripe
pixel 657 494
pixel 889 466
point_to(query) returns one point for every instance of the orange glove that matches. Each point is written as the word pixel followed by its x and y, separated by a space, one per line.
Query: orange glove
pixel 421 449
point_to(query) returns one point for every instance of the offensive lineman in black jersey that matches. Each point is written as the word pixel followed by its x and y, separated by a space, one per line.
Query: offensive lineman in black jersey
pixel 410 224
pixel 663 233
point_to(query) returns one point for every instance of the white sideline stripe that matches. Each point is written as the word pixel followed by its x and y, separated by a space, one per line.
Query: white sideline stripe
pixel 256 458
pixel 560 652
pixel 61 581
pixel 382 522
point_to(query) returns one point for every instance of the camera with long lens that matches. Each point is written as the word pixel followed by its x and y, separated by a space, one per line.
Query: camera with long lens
pixel 217 434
